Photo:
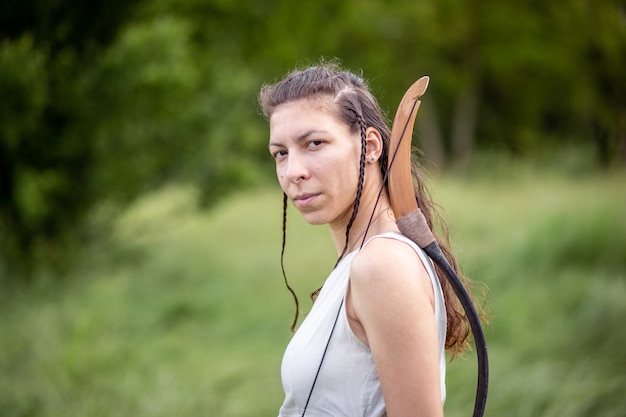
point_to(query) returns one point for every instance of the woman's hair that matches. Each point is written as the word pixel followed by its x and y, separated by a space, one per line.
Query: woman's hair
pixel 353 103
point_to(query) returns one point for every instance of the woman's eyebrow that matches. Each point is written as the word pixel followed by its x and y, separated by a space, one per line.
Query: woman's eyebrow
pixel 301 137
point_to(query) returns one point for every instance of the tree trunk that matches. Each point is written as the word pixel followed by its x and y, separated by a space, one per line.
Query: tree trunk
pixel 464 125
pixel 430 137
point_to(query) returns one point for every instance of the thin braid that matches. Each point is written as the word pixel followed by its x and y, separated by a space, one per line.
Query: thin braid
pixel 359 191
pixel 282 264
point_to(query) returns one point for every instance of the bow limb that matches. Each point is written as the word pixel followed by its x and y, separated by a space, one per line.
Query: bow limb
pixel 400 183
pixel 412 223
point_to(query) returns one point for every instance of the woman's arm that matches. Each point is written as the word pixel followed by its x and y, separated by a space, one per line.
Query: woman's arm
pixel 391 299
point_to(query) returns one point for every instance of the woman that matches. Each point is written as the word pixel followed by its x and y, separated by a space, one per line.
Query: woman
pixel 373 343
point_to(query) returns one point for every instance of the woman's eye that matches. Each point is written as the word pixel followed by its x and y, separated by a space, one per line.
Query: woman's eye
pixel 279 154
pixel 314 143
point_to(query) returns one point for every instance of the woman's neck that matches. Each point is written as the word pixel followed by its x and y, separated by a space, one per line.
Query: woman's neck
pixel 372 219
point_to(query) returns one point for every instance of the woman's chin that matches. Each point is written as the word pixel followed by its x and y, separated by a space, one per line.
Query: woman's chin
pixel 314 219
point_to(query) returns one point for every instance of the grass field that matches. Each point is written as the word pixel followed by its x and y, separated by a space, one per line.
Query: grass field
pixel 184 313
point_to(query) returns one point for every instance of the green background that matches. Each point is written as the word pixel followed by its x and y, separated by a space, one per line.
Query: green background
pixel 140 220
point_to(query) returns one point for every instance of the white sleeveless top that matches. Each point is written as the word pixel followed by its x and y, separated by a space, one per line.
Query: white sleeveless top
pixel 347 384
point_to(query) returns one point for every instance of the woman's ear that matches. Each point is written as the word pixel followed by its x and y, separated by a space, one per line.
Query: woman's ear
pixel 374 143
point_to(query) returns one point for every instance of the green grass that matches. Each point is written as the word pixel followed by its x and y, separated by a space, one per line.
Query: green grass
pixel 183 312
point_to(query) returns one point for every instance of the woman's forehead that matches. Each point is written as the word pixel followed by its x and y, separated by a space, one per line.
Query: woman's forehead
pixel 321 104
pixel 303 115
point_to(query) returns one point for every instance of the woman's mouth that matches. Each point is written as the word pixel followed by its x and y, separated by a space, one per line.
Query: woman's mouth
pixel 304 200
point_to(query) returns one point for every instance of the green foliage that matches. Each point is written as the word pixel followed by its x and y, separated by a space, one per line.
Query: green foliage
pixel 44 186
pixel 102 102
pixel 184 311
pixel 142 117
pixel 84 131
pixel 24 81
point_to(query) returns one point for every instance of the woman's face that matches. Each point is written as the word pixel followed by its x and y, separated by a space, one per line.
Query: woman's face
pixel 317 160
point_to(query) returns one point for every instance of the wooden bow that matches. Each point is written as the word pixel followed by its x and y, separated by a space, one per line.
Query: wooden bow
pixel 399 178
pixel 412 223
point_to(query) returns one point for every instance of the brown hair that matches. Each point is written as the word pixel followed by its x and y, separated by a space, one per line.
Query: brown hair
pixel 358 108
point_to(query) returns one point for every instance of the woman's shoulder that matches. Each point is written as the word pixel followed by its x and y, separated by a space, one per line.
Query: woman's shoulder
pixel 389 271
pixel 387 254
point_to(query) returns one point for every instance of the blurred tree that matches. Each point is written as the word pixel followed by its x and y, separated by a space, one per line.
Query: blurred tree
pixel 519 76
pixel 99 106
pixel 602 105
pixel 542 81
pixel 102 101
pixel 45 46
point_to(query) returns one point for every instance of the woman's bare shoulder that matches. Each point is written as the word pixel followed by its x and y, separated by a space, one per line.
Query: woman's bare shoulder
pixel 389 262
pixel 392 303
pixel 381 253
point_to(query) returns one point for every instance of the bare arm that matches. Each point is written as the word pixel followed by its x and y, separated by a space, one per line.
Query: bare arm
pixel 391 299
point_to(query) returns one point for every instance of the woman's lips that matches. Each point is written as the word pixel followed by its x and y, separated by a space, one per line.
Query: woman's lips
pixel 304 200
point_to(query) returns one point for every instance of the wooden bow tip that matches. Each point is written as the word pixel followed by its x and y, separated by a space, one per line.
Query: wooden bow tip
pixel 420 87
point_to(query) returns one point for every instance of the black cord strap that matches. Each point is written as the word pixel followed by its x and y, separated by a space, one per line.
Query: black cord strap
pixel 319 368
pixel 434 252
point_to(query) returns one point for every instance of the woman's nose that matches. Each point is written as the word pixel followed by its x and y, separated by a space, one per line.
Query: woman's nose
pixel 296 169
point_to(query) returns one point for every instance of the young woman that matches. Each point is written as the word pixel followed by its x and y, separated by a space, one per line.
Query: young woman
pixel 373 343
